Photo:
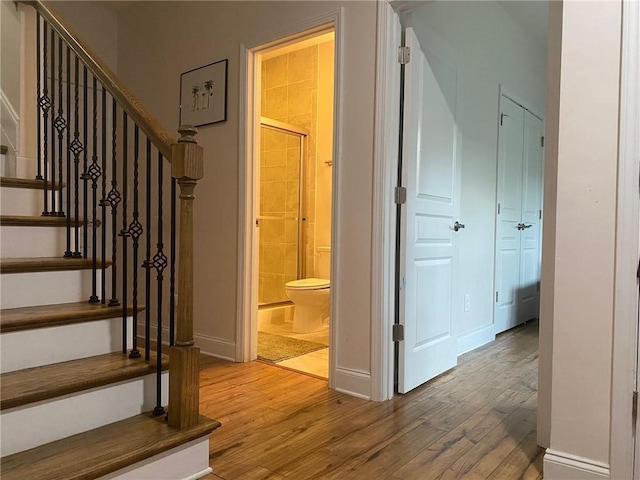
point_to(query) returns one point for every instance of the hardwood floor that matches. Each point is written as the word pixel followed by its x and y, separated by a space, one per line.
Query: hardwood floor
pixel 477 421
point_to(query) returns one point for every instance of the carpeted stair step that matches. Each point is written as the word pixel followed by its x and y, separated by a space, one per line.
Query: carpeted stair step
pixel 43 316
pixel 103 450
pixel 49 381
pixel 46 264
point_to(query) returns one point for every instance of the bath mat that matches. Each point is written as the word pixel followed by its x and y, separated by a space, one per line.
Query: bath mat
pixel 275 348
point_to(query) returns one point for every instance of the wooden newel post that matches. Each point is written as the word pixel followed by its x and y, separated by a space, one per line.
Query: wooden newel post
pixel 184 364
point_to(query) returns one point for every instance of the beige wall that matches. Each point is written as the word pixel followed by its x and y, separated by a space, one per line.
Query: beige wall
pixel 584 237
pixel 150 61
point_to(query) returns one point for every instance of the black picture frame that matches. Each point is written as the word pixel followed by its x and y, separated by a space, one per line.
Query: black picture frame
pixel 203 95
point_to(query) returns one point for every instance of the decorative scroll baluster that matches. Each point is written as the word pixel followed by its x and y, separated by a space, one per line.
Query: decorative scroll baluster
pixel 187 167
pixel 103 201
pixel 135 230
pixel 113 197
pixel 159 263
pixel 172 276
pixel 38 88
pixel 94 173
pixel 76 147
pixel 147 263
pixel 124 232
pixel 61 126
pixel 44 104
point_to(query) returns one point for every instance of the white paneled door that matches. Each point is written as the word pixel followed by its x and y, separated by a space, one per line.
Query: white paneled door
pixel 431 175
pixel 517 269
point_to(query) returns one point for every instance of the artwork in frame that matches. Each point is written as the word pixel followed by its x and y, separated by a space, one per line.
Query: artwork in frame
pixel 203 95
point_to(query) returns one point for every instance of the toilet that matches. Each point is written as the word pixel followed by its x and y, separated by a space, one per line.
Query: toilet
pixel 310 297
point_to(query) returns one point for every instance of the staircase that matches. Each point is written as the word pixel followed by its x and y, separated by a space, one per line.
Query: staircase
pixel 84 390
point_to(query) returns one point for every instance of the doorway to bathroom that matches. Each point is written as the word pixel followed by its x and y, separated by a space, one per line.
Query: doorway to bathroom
pixel 292 200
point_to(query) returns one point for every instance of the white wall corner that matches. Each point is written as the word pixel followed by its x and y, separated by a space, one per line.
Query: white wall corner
pixel 564 466
pixel 353 382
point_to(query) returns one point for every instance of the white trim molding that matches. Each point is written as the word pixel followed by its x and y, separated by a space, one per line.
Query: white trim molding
pixel 385 154
pixel 247 312
pixel 564 466
pixel 625 326
pixel 353 382
pixel 210 346
pixel 476 338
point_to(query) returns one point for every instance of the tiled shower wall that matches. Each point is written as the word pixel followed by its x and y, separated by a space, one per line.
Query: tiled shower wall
pixel 289 93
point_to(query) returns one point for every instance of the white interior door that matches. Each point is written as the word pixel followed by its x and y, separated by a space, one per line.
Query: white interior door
pixel 510 156
pixel 528 297
pixel 431 176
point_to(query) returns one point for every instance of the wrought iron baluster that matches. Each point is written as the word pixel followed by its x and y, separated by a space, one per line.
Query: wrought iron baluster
pixel 44 103
pixel 84 176
pixel 124 232
pixel 103 201
pixel 61 126
pixel 159 263
pixel 94 173
pixel 113 197
pixel 76 147
pixel 172 276
pixel 39 90
pixel 52 211
pixel 135 230
pixel 147 263
pixel 68 253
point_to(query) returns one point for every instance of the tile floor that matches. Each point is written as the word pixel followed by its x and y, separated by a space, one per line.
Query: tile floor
pixel 314 363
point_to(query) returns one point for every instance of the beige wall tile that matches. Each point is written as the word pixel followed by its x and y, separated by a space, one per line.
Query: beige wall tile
pixel 276 72
pixel 276 103
pixel 300 96
pixel 303 64
pixel 274 258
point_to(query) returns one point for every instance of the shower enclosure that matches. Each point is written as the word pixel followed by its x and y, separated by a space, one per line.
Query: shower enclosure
pixel 280 221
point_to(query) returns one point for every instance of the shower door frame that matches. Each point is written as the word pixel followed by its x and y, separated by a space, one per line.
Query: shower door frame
pixel 303 133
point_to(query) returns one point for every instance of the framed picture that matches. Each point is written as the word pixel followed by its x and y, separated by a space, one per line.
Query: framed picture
pixel 203 95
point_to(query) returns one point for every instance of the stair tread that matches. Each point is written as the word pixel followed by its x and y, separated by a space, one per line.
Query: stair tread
pixel 45 264
pixel 32 183
pixel 49 381
pixel 26 318
pixel 37 221
pixel 102 451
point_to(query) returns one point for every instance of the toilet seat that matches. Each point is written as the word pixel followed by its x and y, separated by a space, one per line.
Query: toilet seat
pixel 308 284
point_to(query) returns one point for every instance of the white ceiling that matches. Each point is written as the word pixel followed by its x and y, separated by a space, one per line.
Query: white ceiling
pixel 531 15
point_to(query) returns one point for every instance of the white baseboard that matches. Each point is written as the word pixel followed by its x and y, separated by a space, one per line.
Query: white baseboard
pixel 216 347
pixel 476 338
pixel 565 466
pixel 353 382
pixel 186 462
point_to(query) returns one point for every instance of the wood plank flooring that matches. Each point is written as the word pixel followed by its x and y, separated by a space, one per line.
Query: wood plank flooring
pixel 477 421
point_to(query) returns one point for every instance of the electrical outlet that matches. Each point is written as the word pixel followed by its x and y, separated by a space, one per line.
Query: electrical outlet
pixel 467 302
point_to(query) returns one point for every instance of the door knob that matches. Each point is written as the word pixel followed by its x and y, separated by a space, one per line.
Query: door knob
pixel 523 226
pixel 457 226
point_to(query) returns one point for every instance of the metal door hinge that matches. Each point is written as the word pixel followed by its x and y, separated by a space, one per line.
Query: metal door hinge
pixel 498 209
pixel 538 286
pixel 496 297
pixel 404 55
pixel 539 214
pixel 502 115
pixel 634 408
pixel 542 141
pixel 397 333
pixel 400 195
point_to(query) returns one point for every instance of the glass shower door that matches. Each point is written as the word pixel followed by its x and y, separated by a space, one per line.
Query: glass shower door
pixel 281 152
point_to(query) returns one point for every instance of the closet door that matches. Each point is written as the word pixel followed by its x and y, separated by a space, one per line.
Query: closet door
pixel 528 298
pixel 509 213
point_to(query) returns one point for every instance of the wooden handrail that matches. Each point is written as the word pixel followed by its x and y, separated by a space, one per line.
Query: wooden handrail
pixel 158 135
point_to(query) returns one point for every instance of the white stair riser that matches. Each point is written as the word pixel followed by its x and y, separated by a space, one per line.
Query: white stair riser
pixel 187 462
pixel 22 242
pixel 45 288
pixel 42 346
pixel 43 422
pixel 21 201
